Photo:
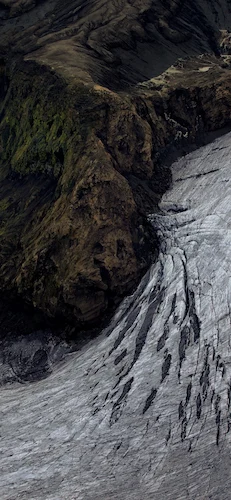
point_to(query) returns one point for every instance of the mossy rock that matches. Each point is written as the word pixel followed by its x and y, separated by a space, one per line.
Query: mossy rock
pixel 43 119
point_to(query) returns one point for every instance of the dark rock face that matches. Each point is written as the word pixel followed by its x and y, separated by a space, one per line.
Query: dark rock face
pixel 81 162
pixel 73 241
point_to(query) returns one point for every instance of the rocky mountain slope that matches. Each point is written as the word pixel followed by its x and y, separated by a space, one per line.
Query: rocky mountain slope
pixel 88 124
pixel 113 43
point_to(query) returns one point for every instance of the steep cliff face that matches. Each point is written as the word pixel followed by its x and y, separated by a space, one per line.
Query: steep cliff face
pixel 82 162
pixel 71 235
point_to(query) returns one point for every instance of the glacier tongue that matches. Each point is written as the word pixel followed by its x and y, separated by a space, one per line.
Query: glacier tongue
pixel 143 411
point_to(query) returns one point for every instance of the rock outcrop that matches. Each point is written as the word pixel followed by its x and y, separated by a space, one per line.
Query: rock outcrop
pixel 83 151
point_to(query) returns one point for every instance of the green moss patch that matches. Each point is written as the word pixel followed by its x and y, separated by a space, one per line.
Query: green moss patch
pixel 43 122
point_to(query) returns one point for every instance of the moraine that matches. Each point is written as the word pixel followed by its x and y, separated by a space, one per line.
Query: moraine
pixel 143 411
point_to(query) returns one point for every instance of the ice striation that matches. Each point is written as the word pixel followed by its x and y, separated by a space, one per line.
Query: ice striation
pixel 143 411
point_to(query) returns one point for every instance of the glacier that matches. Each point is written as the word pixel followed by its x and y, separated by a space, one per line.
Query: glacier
pixel 143 411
